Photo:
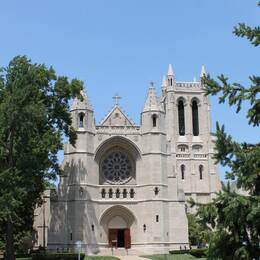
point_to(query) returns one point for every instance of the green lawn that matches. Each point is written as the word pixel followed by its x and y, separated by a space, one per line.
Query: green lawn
pixel 101 258
pixel 86 258
pixel 172 257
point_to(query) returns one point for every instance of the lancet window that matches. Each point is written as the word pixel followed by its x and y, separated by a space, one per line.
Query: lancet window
pixel 195 118
pixel 181 117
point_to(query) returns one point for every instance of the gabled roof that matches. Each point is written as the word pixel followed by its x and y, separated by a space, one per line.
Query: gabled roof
pixel 116 117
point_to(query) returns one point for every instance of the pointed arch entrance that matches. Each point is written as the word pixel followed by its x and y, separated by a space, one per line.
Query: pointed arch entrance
pixel 118 223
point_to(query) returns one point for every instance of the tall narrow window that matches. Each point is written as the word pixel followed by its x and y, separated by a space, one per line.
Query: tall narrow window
pixel 195 118
pixel 81 120
pixel 181 118
pixel 157 218
pixel 182 171
pixel 201 171
pixel 154 118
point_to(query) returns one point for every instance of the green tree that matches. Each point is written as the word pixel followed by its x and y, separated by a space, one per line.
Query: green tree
pixel 34 116
pixel 236 217
pixel 199 232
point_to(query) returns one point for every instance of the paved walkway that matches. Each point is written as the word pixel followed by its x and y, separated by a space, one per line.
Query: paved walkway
pixel 131 257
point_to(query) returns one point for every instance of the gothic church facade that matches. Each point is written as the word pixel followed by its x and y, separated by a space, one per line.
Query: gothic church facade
pixel 127 186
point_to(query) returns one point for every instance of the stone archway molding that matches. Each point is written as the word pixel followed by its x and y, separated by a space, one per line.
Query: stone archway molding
pixel 119 141
pixel 117 211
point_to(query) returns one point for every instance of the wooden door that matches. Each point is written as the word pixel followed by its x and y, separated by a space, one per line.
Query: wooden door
pixel 127 238
pixel 112 236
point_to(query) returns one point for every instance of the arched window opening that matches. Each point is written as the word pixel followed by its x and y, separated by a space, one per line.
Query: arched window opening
pixel 201 171
pixel 124 193
pixel 110 193
pixel 132 193
pixel 81 120
pixel 170 82
pixel 183 148
pixel 154 118
pixel 117 193
pixel 182 171
pixel 181 118
pixel 103 193
pixel 195 118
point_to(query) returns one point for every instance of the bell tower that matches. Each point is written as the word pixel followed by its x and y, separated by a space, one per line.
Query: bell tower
pixel 82 114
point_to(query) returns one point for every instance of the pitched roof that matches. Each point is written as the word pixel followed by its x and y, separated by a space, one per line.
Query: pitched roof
pixel 116 117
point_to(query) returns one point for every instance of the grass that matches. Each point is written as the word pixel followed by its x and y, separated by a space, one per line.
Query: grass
pixel 172 257
pixel 86 258
pixel 101 258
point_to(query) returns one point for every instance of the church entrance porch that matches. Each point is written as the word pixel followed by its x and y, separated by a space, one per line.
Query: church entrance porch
pixel 119 224
pixel 119 238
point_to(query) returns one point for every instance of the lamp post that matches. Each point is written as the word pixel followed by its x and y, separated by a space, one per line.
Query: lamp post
pixel 44 222
pixel 78 244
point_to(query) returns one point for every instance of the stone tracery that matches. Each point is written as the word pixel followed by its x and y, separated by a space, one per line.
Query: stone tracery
pixel 117 167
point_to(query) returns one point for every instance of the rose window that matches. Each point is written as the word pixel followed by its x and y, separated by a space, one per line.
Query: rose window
pixel 117 167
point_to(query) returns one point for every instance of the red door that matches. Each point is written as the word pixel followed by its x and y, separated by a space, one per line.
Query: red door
pixel 127 238
pixel 112 237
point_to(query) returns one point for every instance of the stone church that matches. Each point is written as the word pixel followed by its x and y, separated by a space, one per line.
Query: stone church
pixel 126 185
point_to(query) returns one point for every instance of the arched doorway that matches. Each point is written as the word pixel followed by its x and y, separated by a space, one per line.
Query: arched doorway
pixel 118 222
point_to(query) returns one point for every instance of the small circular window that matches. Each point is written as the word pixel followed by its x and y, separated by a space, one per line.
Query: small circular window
pixel 117 167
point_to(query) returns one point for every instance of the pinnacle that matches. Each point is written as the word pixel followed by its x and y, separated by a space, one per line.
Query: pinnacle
pixel 151 102
pixel 170 70
pixel 82 104
pixel 164 83
pixel 203 71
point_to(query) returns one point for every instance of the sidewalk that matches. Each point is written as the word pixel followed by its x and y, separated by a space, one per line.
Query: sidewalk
pixel 131 257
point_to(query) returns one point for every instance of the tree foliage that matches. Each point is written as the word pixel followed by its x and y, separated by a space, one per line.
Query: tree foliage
pixel 199 232
pixel 236 217
pixel 34 116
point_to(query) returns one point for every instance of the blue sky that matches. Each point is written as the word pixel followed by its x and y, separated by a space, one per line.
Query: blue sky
pixel 119 46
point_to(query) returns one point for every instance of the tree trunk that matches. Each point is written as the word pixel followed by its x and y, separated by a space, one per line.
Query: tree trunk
pixel 9 252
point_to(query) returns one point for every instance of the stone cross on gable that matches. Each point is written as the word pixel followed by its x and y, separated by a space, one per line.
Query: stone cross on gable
pixel 116 98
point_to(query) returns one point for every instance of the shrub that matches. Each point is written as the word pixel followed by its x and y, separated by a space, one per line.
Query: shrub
pixel 199 252
pixel 179 252
pixel 57 256
pixel 22 255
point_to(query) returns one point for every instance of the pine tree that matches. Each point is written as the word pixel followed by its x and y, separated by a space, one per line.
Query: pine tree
pixel 235 218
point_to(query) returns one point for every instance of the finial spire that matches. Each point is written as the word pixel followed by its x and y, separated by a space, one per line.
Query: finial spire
pixel 170 70
pixel 203 71
pixel 164 83
pixel 81 103
pixel 151 102
pixel 170 77
pixel 116 98
pixel 151 85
